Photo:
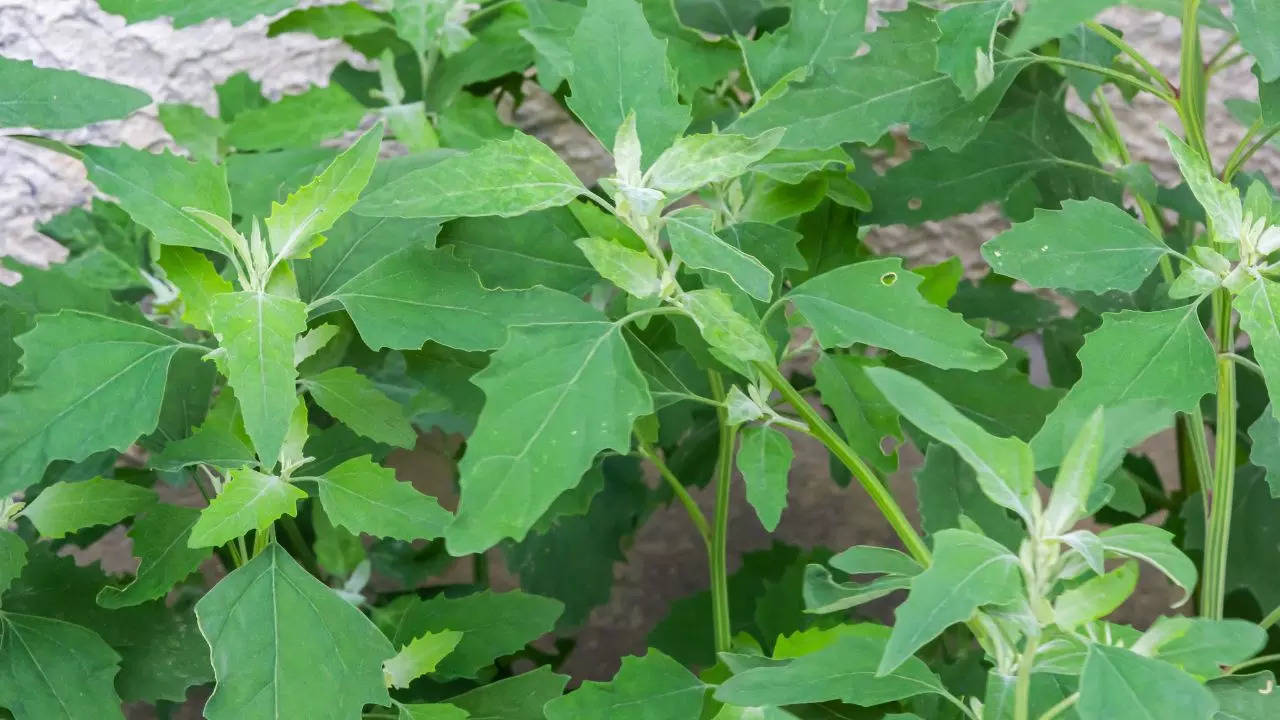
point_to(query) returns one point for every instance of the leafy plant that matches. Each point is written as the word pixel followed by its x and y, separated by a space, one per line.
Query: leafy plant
pixel 249 337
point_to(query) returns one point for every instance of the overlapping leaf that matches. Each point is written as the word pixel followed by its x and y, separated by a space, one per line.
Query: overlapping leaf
pixel 50 99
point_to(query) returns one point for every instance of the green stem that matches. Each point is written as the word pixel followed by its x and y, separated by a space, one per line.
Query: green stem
pixel 1022 687
pixel 1218 534
pixel 1113 74
pixel 1271 619
pixel 1238 160
pixel 302 550
pixel 480 569
pixel 866 477
pixel 1255 662
pixel 1218 67
pixel 1129 50
pixel 691 507
pixel 1191 79
pixel 1194 428
pixel 1061 707
pixel 720 526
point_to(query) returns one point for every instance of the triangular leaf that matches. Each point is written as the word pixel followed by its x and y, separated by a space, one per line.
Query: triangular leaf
pixel 250 500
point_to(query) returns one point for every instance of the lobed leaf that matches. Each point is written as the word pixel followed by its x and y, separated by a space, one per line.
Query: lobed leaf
pixel 54 670
pixel 653 685
pixel 160 538
pixel 249 501
pixel 764 459
pixel 364 497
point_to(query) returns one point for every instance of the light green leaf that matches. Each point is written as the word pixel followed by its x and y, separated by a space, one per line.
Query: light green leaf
pixel 1076 478
pixel 764 458
pixel 861 559
pixel 1256 20
pixel 699 160
pixel 515 698
pixel 91 382
pixel 353 400
pixel 1220 200
pixel 968 572
pixel 734 340
pixel 219 441
pixel 1265 449
pixel 258 332
pixel 329 21
pixel 793 166
pixel 154 188
pixel 419 657
pixel 286 646
pixel 823 595
pixel 1258 304
pixel 620 68
pixel 313 341
pixel 54 670
pixel 1203 646
pixel 1157 363
pixel 877 302
pixel 160 542
pixel 492 625
pixel 1045 20
pixel 13 557
pixel 1088 245
pixel 432 711
pixel 197 281
pixel 896 82
pixel 645 687
pixel 1095 598
pixel 297 121
pixel 193 129
pixel 249 500
pixel 635 272
pixel 1155 546
pixel 1117 683
pixel 49 99
pixel 501 177
pixel 187 12
pixel 816 34
pixel 1246 697
pixel 967 46
pixel 694 240
pixel 529 447
pixel 66 507
pixel 316 206
pixel 845 670
pixel 365 497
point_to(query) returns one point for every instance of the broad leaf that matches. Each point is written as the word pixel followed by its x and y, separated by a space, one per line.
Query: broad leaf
pixel 1221 201
pixel 249 501
pixel 633 271
pixel 353 245
pixel 431 711
pixel 1095 598
pixel 619 68
pixel 530 447
pixel 515 698
pixel 877 303
pixel 329 21
pixel 1118 683
pixel 968 572
pixel 198 282
pixel 284 645
pixel 816 34
pixel 501 177
pixel 1045 20
pixel 297 121
pixel 822 594
pixel 1157 363
pixel 645 687
pixel 764 458
pixel 160 542
pixel 54 670
pixel 419 657
pixel 353 400
pixel 1265 448
pixel 185 12
pixel 364 497
pixel 1258 304
pixel 694 240
pixel 1254 20
pixel 949 496
pixel 520 252
pixel 861 559
pixel 1088 245
pixel 1155 546
pixel 865 417
pixel 734 339
pixel 219 441
pixel 1244 697
pixel 66 507
pixel 699 160
pixel 258 332
pixel 49 99
pixel 967 46
pixel 1202 646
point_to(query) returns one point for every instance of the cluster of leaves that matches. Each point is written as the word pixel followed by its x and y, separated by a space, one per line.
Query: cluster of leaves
pixel 245 332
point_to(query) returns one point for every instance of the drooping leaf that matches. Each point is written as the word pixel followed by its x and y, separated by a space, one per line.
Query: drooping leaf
pixel 501 177
pixel 419 657
pixel 529 447
pixel 619 68
pixel 1158 362
pixel 653 685
pixel 694 240
pixel 1119 683
pixel 1253 20
pixel 329 21
pixel 219 441
pixel 968 571
pixel 54 670
pixel 861 559
pixel 66 507
pixel 764 458
pixel 1154 546
pixel 822 594
pixel 816 34
pixel 1089 245
pixel 695 161
pixel 364 497
pixel 297 121
pixel 160 542
pixel 356 402
pixel 249 501
pixel 50 99
pixel 967 46
pixel 877 303
pixel 285 645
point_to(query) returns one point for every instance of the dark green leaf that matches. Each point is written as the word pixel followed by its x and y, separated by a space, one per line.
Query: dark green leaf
pixel 1118 683
pixel 816 34
pixel 186 13
pixel 353 400
pixel 650 686
pixel 160 542
pixel 53 670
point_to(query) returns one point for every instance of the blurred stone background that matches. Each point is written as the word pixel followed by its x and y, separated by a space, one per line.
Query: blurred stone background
pixel 666 559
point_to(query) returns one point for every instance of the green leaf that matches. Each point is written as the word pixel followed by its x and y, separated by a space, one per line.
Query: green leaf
pixel 1095 598
pixel 734 340
pixel 66 507
pixel 297 121
pixel 160 542
pixel 13 557
pixel 258 332
pixel 284 645
pixel 54 670
pixel 877 303
pixel 1154 546
pixel 1253 20
pixel 896 82
pixel 501 177
pixel 353 400
pixel 861 559
pixel 520 252
pixel 1088 245
pixel 419 657
pixel 823 595
pixel 1245 697
pixel 845 670
pixel 635 272
pixel 816 34
pixel 515 698
pixel 250 500
pixel 184 12
pixel 329 21
pixel 315 207
pixel 1118 683
pixel 968 572
pixel 721 17
pixel 492 625
pixel 1076 478
pixel 1082 44
pixel 1045 20
pixel 48 99
pixel 197 281
pixel 193 129
pixel 355 244
pixel 949 496
pixel 154 188
pixel 645 687
pixel 694 240
pixel 432 711
pixel 1258 304
pixel 91 382
pixel 1265 450
pixel 1157 363
pixel 793 166
pixel 764 458
pixel 1203 646
pixel 365 497
pixel 967 46
pixel 865 417
pixel 530 447
pixel 220 440
pixel 1220 200
pixel 620 68
pixel 699 160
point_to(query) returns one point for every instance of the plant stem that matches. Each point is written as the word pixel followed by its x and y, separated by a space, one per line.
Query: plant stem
pixel 1194 428
pixel 1022 687
pixel 880 495
pixel 1271 619
pixel 1113 74
pixel 1061 707
pixel 480 569
pixel 720 523
pixel 1129 50
pixel 1255 662
pixel 1239 158
pixel 1191 79
pixel 1218 533
pixel 691 507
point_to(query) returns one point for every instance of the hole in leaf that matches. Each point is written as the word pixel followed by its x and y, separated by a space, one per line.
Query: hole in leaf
pixel 889 278
pixel 915 203
pixel 887 445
